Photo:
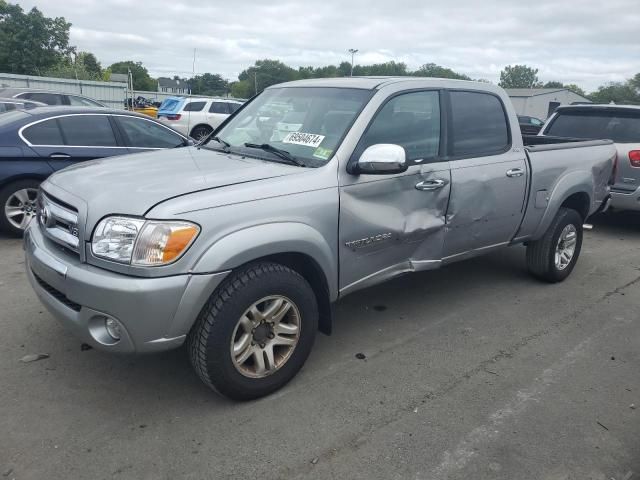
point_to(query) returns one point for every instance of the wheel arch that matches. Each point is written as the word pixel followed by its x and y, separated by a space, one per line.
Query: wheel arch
pixel 574 191
pixel 295 245
pixel 201 124
pixel 22 176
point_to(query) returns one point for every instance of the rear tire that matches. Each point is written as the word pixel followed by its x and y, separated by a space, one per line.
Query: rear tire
pixel 553 257
pixel 241 353
pixel 201 131
pixel 17 206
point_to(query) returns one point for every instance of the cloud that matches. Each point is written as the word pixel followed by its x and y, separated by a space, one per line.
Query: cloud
pixel 585 42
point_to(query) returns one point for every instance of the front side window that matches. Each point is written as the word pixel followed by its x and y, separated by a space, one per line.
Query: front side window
pixel 44 133
pixel 620 126
pixel 194 106
pixel 411 120
pixel 479 124
pixel 88 131
pixel 307 122
pixel 141 133
pixel 218 107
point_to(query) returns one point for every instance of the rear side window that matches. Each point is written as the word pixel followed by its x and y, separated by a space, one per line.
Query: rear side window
pixel 193 107
pixel 479 124
pixel 218 107
pixel 141 133
pixel 48 98
pixel 44 133
pixel 411 120
pixel 82 102
pixel 233 107
pixel 621 127
pixel 5 107
pixel 88 131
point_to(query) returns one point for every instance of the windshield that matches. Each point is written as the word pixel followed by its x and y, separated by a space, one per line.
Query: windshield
pixel 621 126
pixel 307 122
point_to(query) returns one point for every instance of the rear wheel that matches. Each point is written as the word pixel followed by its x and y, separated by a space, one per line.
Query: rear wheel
pixel 256 331
pixel 201 131
pixel 553 257
pixel 18 203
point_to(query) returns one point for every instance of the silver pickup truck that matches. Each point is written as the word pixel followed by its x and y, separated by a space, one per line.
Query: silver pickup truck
pixel 313 190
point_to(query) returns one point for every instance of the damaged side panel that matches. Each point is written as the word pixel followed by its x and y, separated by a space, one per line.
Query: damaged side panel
pixel 388 226
pixel 487 201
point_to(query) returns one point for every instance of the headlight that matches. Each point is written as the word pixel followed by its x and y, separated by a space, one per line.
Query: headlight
pixel 139 242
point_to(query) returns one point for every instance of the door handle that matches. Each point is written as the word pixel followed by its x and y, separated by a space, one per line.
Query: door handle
pixel 429 185
pixel 515 172
pixel 59 155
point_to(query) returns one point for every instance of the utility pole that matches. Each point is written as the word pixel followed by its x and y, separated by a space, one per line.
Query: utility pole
pixel 352 51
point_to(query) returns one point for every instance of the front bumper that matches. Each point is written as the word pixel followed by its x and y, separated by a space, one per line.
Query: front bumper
pixel 154 314
pixel 625 201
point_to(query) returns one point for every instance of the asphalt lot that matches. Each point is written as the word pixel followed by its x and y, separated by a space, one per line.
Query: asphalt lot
pixel 475 371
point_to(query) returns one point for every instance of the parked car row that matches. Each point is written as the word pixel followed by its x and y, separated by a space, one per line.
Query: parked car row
pixel 35 143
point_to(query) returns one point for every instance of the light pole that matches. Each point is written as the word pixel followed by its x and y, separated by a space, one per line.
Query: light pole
pixel 352 51
pixel 255 78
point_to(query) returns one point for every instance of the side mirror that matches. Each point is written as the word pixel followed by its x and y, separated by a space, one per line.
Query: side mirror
pixel 382 159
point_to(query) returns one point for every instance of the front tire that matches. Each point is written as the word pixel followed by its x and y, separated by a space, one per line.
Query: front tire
pixel 18 206
pixel 553 257
pixel 255 332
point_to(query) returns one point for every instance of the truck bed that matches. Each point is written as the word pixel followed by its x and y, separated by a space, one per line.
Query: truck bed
pixel 555 166
pixel 540 143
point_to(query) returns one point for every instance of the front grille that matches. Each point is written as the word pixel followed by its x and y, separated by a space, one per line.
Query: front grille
pixel 59 221
pixel 57 294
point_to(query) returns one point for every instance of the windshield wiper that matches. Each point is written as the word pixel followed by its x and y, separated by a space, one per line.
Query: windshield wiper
pixel 204 139
pixel 278 152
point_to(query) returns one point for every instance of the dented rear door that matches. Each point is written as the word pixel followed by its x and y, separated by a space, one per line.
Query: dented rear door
pixel 489 174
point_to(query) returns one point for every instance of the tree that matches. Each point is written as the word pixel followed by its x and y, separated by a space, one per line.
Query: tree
pixel 553 84
pixel 31 43
pixel 90 64
pixel 209 84
pixel 616 92
pixel 384 69
pixel 519 76
pixel 575 89
pixel 242 89
pixel 433 70
pixel 141 78
pixel 266 73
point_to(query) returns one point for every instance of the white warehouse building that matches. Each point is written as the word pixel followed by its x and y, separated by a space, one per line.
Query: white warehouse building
pixel 541 102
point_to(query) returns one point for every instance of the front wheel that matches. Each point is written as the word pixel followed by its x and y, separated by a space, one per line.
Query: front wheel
pixel 255 332
pixel 552 257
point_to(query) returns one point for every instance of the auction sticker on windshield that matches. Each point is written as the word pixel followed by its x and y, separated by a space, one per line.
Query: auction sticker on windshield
pixel 306 139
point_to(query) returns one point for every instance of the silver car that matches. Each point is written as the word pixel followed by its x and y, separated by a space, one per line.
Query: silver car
pixel 313 190
pixel 620 123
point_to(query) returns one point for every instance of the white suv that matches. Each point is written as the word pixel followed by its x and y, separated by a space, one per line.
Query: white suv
pixel 196 117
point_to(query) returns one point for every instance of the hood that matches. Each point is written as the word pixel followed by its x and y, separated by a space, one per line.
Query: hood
pixel 132 184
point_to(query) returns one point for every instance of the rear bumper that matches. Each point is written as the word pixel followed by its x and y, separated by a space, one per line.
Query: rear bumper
pixel 154 314
pixel 625 201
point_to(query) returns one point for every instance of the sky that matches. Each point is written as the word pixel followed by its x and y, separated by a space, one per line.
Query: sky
pixel 586 42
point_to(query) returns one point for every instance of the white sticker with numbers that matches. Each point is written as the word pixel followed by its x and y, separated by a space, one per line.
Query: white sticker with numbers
pixel 306 139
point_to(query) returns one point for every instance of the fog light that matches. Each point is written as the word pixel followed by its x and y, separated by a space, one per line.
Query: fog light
pixel 113 329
